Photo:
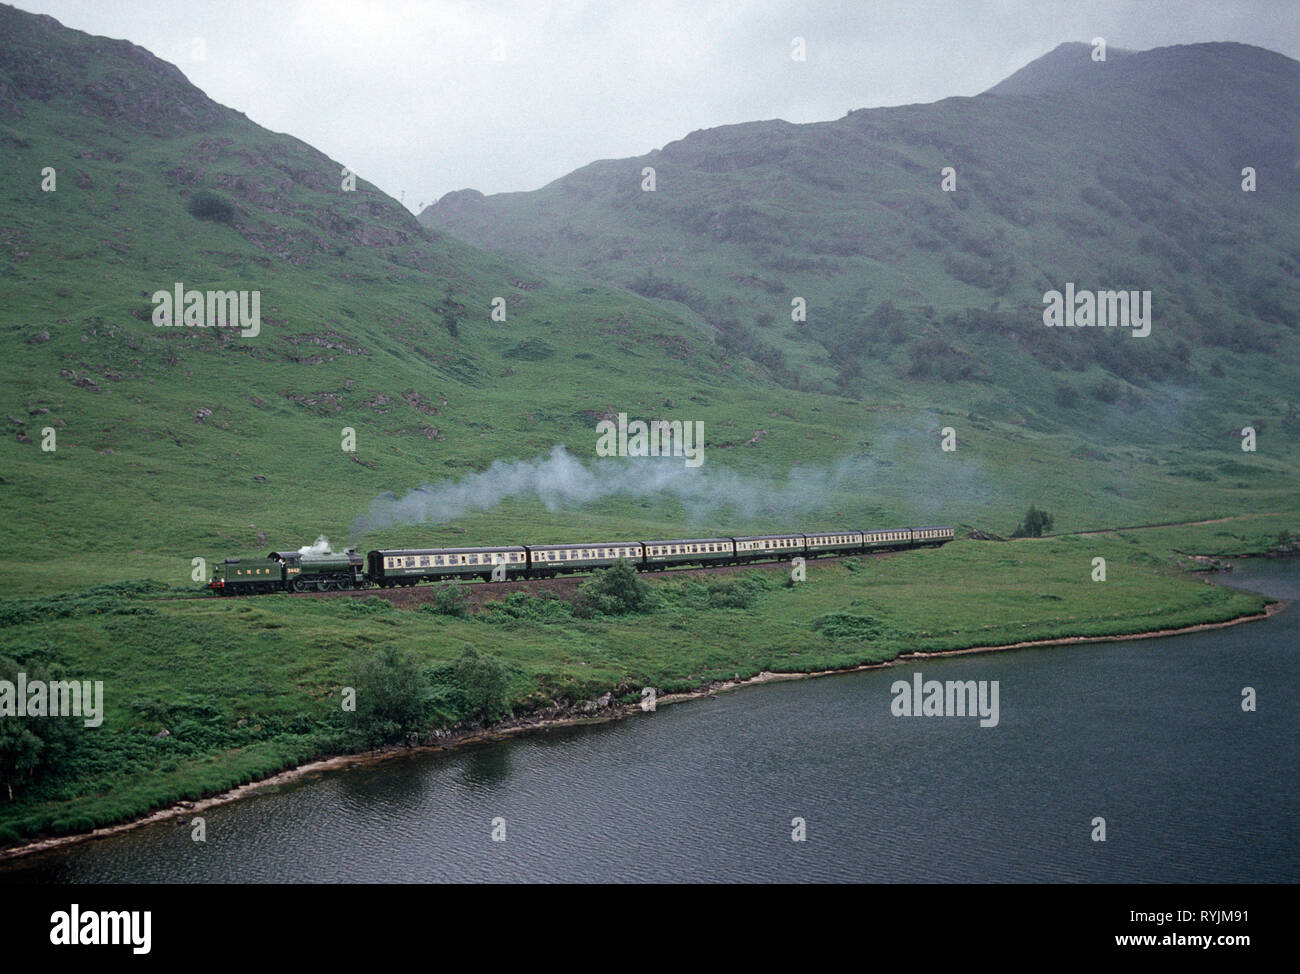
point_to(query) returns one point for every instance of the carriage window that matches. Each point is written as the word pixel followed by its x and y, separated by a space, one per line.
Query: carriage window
pixel 424 560
pixel 410 563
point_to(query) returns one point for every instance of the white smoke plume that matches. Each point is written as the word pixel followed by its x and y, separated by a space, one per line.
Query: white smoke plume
pixel 562 482
pixel 321 546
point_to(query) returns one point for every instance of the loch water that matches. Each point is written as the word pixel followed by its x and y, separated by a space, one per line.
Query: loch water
pixel 1148 734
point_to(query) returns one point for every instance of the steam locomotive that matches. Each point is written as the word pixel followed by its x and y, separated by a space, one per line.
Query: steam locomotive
pixel 293 571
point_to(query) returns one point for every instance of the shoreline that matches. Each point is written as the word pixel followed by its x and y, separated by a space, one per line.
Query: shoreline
pixel 528 724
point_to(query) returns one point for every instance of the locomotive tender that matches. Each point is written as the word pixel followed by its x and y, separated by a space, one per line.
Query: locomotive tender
pixel 284 571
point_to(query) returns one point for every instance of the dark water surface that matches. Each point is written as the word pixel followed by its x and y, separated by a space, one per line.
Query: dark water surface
pixel 1148 734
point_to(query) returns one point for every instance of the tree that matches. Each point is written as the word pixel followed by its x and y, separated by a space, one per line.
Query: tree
pixel 392 695
pixel 481 680
pixel 1034 524
pixel 29 747
pixel 449 599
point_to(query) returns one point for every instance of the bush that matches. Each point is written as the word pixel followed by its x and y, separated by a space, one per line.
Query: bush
pixel 369 606
pixel 521 605
pixel 209 206
pixel 113 598
pixel 617 590
pixel 1067 397
pixel 846 625
pixel 737 593
pixel 1107 391
pixel 449 599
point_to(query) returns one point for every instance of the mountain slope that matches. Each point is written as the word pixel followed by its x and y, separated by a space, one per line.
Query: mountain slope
pixel 212 440
pixel 1116 174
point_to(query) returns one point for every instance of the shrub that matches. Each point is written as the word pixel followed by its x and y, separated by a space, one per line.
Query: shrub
pixel 206 205
pixel 1107 391
pixel 521 605
pixel 370 605
pixel 737 593
pixel 846 625
pixel 617 590
pixel 1067 397
pixel 449 599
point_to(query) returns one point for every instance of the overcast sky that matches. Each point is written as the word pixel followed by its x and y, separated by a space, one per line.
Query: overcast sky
pixel 425 96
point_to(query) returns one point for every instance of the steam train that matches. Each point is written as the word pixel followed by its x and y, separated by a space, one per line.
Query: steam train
pixel 293 571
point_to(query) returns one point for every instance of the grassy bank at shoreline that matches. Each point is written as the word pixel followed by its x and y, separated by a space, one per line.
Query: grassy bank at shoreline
pixel 246 688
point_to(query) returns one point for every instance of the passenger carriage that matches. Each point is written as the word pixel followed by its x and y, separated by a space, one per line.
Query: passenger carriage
pixel 889 539
pixel 408 566
pixel 833 543
pixel 689 551
pixel 768 546
pixel 550 560
pixel 932 536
